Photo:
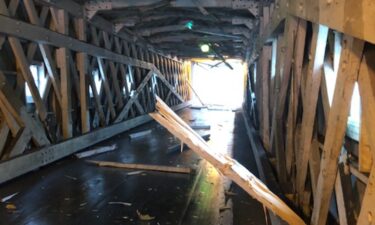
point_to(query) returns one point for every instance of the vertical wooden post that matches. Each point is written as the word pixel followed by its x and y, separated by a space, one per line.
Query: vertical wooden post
pixel 82 68
pixel 265 73
pixel 63 63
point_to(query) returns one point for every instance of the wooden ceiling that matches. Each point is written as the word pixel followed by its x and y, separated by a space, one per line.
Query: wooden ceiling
pixel 226 25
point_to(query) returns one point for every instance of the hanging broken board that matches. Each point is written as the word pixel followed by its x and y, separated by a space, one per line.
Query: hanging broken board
pixel 225 164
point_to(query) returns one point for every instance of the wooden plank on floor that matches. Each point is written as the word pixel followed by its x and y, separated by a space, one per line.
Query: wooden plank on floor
pixel 33 160
pixel 159 168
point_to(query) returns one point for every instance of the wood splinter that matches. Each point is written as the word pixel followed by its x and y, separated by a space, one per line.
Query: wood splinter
pixel 226 165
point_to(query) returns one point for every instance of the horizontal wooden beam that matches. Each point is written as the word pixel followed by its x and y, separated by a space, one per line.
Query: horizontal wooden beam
pixel 180 37
pixel 131 20
pixel 42 35
pixel 354 18
pixel 28 162
pixel 105 5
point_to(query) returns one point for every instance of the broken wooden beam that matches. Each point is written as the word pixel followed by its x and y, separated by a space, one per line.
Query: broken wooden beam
pixel 226 165
pixel 169 169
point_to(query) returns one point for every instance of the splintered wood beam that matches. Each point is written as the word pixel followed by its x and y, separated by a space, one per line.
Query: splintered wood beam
pixel 317 51
pixel 350 60
pixel 228 166
pixel 366 83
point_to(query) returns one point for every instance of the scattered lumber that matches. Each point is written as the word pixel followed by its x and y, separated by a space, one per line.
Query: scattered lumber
pixel 218 108
pixel 169 169
pixel 120 203
pixel 200 126
pixel 7 198
pixel 198 107
pixel 144 217
pixel 226 165
pixel 139 134
pixel 96 151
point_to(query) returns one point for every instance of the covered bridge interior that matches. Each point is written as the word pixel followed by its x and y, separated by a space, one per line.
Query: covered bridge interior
pixel 82 81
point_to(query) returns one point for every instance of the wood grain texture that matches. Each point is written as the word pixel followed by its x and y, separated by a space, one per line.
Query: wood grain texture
pixel 351 56
pixel 229 167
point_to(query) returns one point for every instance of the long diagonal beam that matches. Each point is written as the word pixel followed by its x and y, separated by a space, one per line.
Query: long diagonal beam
pixel 228 166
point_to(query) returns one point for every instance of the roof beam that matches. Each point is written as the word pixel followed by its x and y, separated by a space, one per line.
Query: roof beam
pixel 228 31
pixel 131 21
pixel 192 37
pixel 95 6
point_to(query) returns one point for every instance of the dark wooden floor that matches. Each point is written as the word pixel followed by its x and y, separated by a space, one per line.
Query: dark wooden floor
pixel 74 192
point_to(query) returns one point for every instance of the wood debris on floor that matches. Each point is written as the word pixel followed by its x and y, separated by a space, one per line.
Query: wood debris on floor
pixel 140 134
pixel 228 166
pixel 96 151
pixel 169 169
pixel 145 217
pixel 7 198
pixel 200 126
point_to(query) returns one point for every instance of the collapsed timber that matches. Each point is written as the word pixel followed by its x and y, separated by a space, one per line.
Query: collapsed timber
pixel 226 165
